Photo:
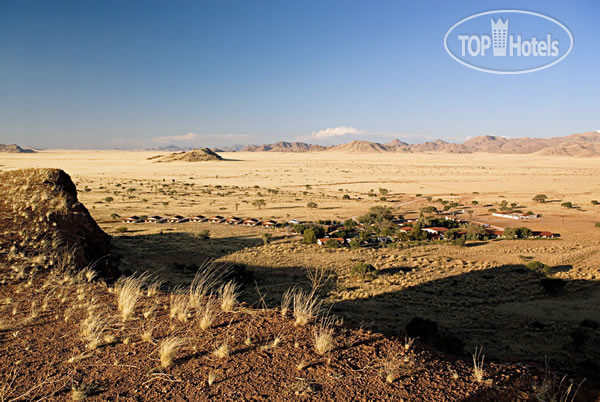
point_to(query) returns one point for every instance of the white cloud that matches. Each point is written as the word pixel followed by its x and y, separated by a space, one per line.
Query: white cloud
pixel 335 132
pixel 175 138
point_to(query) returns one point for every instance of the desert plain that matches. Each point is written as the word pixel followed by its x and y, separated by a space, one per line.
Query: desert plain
pixel 479 293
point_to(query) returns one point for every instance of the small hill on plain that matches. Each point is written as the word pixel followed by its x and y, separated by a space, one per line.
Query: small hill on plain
pixel 15 149
pixel 196 155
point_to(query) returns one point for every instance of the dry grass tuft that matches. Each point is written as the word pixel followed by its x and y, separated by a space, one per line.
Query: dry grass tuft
pixel 228 294
pixel 168 349
pixel 205 281
pixel 208 313
pixel 223 350
pixel 129 291
pixel 323 336
pixel 179 306
pixel 478 358
pixel 306 307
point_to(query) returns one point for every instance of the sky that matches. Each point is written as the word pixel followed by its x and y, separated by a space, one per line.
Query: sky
pixel 138 74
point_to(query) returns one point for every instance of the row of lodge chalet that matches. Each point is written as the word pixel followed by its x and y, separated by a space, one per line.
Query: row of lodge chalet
pixel 332 230
pixel 233 220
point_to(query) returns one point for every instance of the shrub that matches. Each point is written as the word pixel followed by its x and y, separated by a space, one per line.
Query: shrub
pixel 108 199
pixel 354 243
pixel 345 197
pixel 203 234
pixel 115 216
pixel 312 205
pixel 461 241
pixel 538 267
pixel 567 204
pixel 363 269
pixel 597 224
pixel 310 236
pixel 121 229
pixel 553 286
pixel 332 243
pixel 266 238
pixel 595 202
pixel 540 198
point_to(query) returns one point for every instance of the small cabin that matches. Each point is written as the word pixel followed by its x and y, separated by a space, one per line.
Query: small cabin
pixel 197 218
pixel 234 220
pixel 176 219
pixel 155 219
pixel 131 219
pixel 251 222
pixel 216 219
pixel 269 224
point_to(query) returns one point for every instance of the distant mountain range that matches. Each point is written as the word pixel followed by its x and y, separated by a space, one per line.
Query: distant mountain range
pixel 583 145
pixel 15 149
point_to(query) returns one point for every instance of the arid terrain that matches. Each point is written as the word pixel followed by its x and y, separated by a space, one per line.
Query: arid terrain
pixel 479 294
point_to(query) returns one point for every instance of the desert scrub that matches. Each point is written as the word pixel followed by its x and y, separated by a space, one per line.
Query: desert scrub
pixel 203 235
pixel 364 270
pixel 538 267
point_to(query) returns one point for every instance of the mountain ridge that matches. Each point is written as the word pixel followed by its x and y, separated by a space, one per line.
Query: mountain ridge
pixel 585 144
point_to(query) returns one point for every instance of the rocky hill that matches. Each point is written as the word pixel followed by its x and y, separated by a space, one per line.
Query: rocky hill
pixel 283 146
pixel 43 225
pixel 196 155
pixel 15 149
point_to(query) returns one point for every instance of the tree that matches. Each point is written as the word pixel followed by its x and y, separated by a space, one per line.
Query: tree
pixel 108 199
pixel 567 204
pixel 312 205
pixel 384 191
pixel 115 216
pixel 354 243
pixel 259 203
pixel 377 215
pixel 345 197
pixel 332 243
pixel 349 224
pixel 310 236
pixel 541 198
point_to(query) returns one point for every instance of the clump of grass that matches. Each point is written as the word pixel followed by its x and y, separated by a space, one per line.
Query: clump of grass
pixel 223 350
pixel 478 358
pixel 94 328
pixel 306 307
pixel 228 294
pixel 153 289
pixel 179 307
pixel 128 293
pixel 286 301
pixel 207 278
pixel 208 313
pixel 323 338
pixel 168 348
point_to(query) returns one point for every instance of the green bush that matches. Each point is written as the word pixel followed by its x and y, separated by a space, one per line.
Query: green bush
pixel 345 197
pixel 460 241
pixel 362 269
pixel 354 243
pixel 266 238
pixel 598 224
pixel 310 236
pixel 332 243
pixel 121 229
pixel 538 267
pixel 567 204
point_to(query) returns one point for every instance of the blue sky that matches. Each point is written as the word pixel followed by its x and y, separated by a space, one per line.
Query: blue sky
pixel 132 74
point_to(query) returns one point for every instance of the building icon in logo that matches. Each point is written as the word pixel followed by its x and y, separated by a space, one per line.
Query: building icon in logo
pixel 499 34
